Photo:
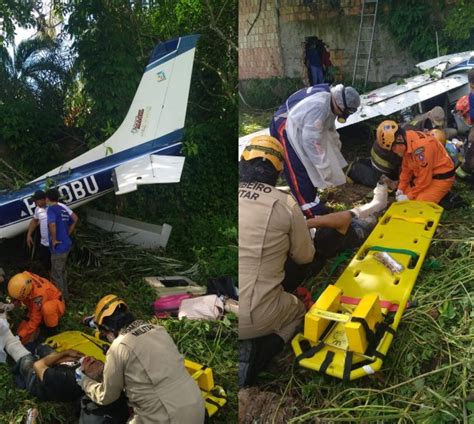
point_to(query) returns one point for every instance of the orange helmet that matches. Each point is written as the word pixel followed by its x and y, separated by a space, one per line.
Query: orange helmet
pixel 20 285
pixel 386 134
pixel 106 307
pixel 439 135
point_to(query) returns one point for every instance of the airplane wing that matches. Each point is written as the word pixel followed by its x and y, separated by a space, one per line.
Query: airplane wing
pixel 150 169
pixel 446 59
pixel 390 99
pixel 394 97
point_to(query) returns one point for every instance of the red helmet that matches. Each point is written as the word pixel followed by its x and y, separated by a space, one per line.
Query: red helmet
pixel 462 108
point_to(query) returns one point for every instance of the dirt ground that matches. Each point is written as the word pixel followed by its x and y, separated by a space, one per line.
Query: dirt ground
pixel 348 194
pixel 265 407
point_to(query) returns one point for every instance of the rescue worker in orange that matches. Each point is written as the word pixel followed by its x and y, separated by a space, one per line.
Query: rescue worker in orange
pixel 42 299
pixel 427 170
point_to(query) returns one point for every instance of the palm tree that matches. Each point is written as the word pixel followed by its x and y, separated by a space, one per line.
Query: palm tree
pixel 35 67
pixel 33 84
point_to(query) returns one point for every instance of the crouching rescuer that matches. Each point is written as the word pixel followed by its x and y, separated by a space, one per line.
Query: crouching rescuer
pixel 272 230
pixel 427 172
pixel 43 300
pixel 144 362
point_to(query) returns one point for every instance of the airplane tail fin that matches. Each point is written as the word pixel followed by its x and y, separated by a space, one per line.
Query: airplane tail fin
pixel 158 110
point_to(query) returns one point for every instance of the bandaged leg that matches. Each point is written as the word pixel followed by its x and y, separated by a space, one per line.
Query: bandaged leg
pixel 378 203
pixel 14 347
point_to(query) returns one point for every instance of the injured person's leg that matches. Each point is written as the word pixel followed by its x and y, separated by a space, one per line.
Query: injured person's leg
pixel 339 231
pixel 377 205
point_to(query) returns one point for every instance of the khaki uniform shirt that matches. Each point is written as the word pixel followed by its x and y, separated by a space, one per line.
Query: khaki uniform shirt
pixel 147 365
pixel 271 228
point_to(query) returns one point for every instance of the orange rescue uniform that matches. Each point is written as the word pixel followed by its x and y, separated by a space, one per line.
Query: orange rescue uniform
pixel 427 170
pixel 44 303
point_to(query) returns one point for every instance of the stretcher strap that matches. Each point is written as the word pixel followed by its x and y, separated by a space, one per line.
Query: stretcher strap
pixel 310 352
pixel 347 366
pixel 327 361
pixel 392 307
pixel 369 334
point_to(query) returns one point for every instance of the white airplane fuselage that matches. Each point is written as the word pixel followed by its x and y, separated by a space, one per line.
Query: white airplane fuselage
pixel 145 148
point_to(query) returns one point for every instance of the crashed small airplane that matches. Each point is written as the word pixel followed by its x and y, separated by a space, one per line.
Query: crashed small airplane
pixel 445 75
pixel 144 150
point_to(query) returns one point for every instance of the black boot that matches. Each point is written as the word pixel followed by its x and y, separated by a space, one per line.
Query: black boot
pixel 247 351
pixel 255 355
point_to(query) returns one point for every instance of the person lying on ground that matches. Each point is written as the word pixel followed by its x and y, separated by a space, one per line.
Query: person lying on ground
pixel 52 377
pixel 144 362
pixel 276 253
pixel 43 301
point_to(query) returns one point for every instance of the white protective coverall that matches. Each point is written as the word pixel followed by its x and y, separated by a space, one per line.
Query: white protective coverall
pixel 312 133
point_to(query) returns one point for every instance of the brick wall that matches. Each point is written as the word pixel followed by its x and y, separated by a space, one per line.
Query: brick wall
pixel 274 47
pixel 259 51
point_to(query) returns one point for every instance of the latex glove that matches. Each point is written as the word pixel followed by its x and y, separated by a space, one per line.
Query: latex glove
pixel 78 374
pixel 400 196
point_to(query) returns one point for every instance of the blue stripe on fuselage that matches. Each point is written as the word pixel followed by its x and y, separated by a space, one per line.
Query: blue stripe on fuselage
pixel 85 181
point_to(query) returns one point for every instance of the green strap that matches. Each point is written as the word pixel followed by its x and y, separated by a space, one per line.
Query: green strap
pixel 340 259
pixel 411 253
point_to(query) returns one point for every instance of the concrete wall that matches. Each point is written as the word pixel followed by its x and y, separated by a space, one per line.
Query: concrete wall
pixel 336 22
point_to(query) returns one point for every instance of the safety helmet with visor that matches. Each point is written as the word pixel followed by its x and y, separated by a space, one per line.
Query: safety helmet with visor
pixel 386 134
pixel 20 286
pixel 267 148
pixel 106 307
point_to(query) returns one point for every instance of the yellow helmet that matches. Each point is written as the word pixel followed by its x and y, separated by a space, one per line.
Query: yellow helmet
pixel 106 307
pixel 439 135
pixel 20 285
pixel 386 134
pixel 266 147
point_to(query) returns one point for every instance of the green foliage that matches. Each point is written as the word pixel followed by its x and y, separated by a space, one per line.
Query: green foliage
pixel 33 84
pixel 414 25
pixel 15 12
pixel 268 93
pixel 215 344
pixel 459 28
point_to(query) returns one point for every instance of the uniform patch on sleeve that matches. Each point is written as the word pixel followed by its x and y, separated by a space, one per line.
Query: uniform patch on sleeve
pixel 419 154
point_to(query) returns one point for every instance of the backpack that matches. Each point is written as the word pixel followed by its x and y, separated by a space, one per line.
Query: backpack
pixel 222 286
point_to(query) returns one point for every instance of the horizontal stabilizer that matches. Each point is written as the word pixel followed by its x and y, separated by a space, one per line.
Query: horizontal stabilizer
pixel 150 169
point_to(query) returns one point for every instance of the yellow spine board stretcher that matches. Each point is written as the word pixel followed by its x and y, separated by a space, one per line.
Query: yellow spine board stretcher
pixel 349 329
pixel 214 395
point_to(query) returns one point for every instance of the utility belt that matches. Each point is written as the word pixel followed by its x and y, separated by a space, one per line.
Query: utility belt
pixel 444 176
